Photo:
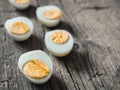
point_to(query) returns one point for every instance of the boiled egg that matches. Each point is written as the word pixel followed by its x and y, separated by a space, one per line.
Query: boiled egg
pixel 49 15
pixel 59 42
pixel 19 28
pixel 20 4
pixel 36 66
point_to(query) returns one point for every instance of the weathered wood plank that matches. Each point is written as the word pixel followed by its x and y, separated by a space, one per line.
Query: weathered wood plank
pixel 95 26
pixel 94 62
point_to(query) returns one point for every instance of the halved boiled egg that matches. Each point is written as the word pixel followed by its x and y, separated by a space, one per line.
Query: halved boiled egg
pixel 59 42
pixel 36 66
pixel 20 4
pixel 19 28
pixel 49 15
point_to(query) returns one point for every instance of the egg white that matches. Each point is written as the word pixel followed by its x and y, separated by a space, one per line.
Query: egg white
pixel 40 55
pixel 22 37
pixel 45 21
pixel 19 6
pixel 59 50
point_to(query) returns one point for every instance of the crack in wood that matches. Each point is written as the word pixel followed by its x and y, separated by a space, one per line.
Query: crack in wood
pixel 1 25
pixel 97 8
pixel 3 81
pixel 72 77
pixel 90 46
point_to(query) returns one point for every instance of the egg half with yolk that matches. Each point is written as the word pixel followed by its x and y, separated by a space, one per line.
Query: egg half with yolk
pixel 19 28
pixel 20 4
pixel 59 42
pixel 36 66
pixel 49 15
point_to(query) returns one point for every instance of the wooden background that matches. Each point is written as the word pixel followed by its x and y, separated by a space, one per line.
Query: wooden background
pixel 93 64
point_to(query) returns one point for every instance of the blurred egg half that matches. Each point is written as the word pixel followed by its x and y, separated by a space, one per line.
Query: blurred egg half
pixel 49 15
pixel 19 28
pixel 20 4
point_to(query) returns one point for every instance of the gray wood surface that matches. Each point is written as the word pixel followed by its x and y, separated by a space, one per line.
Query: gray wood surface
pixel 93 64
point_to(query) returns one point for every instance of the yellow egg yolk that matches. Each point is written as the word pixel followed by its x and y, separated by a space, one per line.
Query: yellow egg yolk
pixel 59 37
pixel 19 28
pixel 52 14
pixel 22 1
pixel 36 69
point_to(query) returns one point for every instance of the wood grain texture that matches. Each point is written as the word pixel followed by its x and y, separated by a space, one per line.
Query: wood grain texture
pixel 93 64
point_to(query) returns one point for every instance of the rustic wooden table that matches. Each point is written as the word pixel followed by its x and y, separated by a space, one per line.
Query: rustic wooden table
pixel 93 64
